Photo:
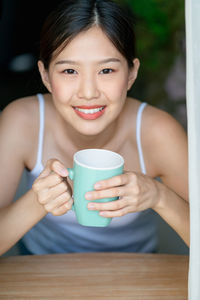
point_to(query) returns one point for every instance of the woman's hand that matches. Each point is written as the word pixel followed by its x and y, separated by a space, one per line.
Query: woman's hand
pixel 136 192
pixel 52 189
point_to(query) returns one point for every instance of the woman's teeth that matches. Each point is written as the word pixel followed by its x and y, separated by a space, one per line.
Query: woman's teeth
pixel 89 111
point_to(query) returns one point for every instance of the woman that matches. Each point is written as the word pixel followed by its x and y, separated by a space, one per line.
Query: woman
pixel 87 63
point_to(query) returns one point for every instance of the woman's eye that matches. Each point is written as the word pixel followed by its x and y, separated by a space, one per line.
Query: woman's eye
pixel 106 71
pixel 70 71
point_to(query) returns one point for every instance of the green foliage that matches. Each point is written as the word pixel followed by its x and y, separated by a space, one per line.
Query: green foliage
pixel 159 32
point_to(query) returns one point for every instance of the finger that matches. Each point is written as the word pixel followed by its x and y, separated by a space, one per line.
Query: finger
pixel 47 195
pixel 111 205
pixel 56 166
pixel 116 213
pixel 111 182
pixel 109 193
pixel 57 190
pixel 63 208
pixel 57 202
pixel 47 182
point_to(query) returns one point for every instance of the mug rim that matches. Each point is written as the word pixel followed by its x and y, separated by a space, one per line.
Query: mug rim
pixel 99 168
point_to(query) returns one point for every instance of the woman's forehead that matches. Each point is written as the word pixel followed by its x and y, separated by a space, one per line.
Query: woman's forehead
pixel 93 44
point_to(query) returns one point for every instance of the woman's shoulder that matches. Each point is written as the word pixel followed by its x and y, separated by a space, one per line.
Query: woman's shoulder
pixel 154 121
pixel 151 116
pixel 19 120
pixel 160 131
pixel 164 140
pixel 20 109
pixel 20 114
pixel 160 125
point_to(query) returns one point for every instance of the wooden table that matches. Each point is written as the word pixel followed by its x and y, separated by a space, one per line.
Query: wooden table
pixel 94 276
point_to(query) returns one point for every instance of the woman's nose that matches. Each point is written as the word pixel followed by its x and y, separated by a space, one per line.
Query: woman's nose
pixel 88 89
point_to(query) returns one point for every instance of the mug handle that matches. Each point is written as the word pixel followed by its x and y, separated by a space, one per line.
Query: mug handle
pixel 71 173
pixel 71 176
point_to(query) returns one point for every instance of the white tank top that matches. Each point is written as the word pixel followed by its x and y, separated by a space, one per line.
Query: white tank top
pixel 134 232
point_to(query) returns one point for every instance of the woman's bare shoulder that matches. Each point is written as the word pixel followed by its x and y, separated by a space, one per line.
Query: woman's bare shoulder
pixel 159 124
pixel 21 107
pixel 19 120
pixel 164 140
pixel 155 121
pixel 20 113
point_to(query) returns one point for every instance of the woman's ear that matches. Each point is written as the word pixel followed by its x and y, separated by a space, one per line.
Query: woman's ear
pixel 133 72
pixel 44 75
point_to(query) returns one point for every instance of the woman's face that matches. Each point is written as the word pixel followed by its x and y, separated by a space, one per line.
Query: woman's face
pixel 88 81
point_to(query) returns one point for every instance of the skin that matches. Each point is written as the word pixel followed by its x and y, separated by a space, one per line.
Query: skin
pixel 96 75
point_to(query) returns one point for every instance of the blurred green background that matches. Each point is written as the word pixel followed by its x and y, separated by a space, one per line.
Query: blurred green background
pixel 160 37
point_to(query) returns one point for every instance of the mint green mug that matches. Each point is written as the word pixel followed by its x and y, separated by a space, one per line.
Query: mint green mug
pixel 90 166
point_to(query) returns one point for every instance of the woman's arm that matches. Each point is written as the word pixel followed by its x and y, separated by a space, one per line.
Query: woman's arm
pixel 13 149
pixel 17 218
pixel 171 161
pixel 175 211
pixel 50 192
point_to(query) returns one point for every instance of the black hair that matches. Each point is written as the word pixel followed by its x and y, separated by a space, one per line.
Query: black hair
pixel 75 16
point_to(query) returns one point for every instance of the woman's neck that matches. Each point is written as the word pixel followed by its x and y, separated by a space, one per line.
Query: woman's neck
pixel 79 141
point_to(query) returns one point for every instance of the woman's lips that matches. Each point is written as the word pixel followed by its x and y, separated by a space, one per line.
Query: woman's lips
pixel 89 112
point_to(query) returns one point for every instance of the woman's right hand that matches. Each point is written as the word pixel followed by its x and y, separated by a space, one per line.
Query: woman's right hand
pixel 52 189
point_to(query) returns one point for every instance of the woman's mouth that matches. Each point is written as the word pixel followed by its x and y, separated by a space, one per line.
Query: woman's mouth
pixel 89 112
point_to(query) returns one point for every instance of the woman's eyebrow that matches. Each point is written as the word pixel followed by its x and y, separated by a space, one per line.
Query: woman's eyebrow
pixel 108 60
pixel 69 62
pixel 72 62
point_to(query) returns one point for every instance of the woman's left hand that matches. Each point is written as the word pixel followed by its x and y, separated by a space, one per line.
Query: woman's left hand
pixel 136 192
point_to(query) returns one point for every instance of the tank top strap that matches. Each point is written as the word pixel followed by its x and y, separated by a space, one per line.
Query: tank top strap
pixel 41 128
pixel 138 136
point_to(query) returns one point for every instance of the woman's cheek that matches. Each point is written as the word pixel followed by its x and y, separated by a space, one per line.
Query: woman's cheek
pixel 62 91
pixel 118 90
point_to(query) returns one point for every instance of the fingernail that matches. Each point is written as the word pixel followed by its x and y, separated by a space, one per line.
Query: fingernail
pixel 102 213
pixel 90 206
pixel 88 196
pixel 97 185
pixel 62 171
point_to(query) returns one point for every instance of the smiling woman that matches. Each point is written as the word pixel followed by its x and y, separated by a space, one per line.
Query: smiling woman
pixel 94 82
pixel 88 64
